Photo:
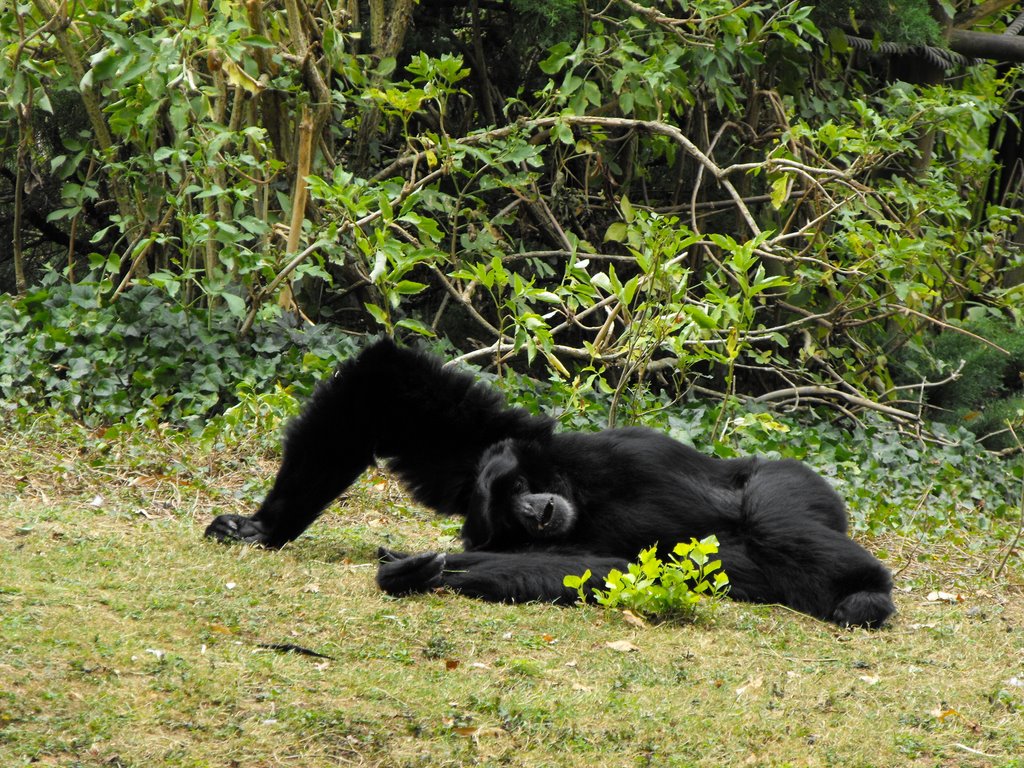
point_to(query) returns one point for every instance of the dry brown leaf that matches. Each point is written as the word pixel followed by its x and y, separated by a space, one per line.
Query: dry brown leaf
pixel 753 684
pixel 450 664
pixel 623 646
pixel 633 619
pixel 945 597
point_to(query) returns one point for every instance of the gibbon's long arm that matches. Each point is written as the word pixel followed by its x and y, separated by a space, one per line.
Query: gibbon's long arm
pixel 429 422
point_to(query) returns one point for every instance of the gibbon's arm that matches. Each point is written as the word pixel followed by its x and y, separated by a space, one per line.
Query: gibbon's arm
pixel 430 423
pixel 501 577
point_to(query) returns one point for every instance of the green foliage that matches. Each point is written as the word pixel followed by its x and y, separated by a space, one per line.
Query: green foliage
pixel 665 589
pixel 898 21
pixel 613 61
pixel 988 392
pixel 146 358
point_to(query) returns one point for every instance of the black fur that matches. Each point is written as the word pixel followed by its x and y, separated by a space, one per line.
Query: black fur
pixel 539 505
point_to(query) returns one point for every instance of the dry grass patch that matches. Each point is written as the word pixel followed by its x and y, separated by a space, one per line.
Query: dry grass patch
pixel 128 640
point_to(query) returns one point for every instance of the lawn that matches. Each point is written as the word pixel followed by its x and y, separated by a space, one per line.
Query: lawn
pixel 126 639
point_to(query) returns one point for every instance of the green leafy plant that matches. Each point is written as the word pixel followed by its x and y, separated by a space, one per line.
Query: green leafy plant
pixel 669 588
pixel 140 358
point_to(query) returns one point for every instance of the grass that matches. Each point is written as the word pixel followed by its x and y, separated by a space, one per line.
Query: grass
pixel 128 640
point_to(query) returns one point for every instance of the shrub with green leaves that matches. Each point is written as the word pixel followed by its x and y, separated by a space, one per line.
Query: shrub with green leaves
pixel 665 589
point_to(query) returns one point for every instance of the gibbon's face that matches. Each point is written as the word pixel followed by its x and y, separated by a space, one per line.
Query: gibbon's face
pixel 509 509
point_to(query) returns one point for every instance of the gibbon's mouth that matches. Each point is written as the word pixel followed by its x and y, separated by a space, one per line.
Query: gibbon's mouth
pixel 547 514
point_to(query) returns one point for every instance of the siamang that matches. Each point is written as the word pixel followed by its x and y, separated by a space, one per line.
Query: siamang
pixel 540 504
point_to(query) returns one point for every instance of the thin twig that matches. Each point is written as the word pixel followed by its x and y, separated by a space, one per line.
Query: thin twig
pixel 1020 522
pixel 955 329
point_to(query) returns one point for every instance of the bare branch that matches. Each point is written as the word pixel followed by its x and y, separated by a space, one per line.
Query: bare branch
pixel 796 393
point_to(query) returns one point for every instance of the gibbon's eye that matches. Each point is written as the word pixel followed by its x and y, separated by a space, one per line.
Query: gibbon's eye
pixel 519 487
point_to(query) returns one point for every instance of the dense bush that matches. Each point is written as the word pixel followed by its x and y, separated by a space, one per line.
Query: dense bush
pixel 640 194
pixel 60 347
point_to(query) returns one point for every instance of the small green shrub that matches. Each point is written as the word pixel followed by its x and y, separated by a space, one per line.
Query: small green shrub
pixel 663 589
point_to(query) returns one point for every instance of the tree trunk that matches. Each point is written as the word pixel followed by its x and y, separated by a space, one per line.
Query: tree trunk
pixel 389 22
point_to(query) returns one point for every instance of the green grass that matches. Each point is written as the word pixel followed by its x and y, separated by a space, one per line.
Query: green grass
pixel 128 640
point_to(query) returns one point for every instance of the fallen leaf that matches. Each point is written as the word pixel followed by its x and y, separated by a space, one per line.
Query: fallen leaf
pixel 941 714
pixel 945 597
pixel 97 501
pixel 752 684
pixel 870 679
pixel 633 619
pixel 311 588
pixel 624 646
pixel 479 665
pixel 450 664
pixel 581 687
